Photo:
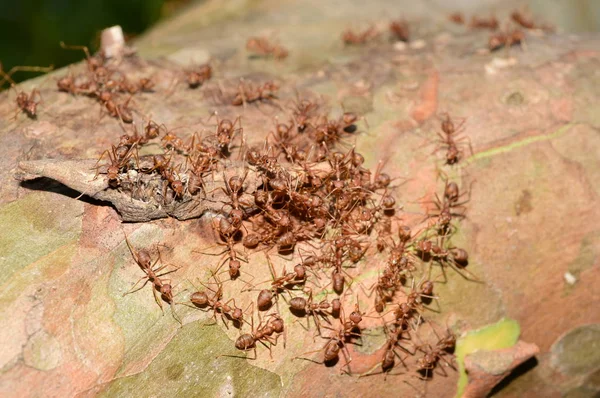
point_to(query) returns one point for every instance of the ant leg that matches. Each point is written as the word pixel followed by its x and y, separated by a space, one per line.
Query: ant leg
pixel 175 316
pixel 347 357
pixel 310 352
pixel 224 320
pixel 158 299
pixel 139 288
pixel 129 246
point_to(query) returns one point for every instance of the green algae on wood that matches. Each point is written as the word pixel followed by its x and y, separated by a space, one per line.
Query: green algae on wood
pixel 502 334
pixel 190 366
pixel 35 226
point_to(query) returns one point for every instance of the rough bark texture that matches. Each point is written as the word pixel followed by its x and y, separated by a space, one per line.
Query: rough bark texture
pixel 533 121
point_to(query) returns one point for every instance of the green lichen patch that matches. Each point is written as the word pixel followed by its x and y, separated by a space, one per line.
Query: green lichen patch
pixel 188 366
pixel 34 226
pixel 502 334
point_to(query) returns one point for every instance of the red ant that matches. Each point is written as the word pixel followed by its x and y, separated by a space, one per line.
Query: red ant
pixel 451 141
pixel 484 23
pixel 198 76
pixel 153 275
pixel 25 102
pixel 448 208
pixel 527 22
pixel 388 362
pixel 151 131
pixel 202 299
pixel 263 160
pixel 336 344
pixel 329 132
pixel 351 37
pixel 303 307
pixel 400 30
pixel 262 46
pixel 225 132
pixel 174 182
pixel 279 285
pixel 114 109
pixel 303 112
pixel 501 39
pixel 234 188
pixel 457 18
pixel 248 92
pixel 95 63
pixel 227 232
pixel 428 362
pixel 455 258
pixel 118 161
pixel 263 334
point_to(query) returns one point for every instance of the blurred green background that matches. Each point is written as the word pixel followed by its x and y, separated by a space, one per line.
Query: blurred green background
pixel 31 30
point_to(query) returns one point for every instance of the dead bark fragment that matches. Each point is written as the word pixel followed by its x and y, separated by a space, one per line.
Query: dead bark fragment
pixel 80 175
pixel 485 369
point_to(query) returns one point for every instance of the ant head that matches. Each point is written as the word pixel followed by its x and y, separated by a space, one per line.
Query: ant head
pixel 300 271
pixel 225 126
pixel 166 290
pixel 234 268
pixel 237 314
pixel 357 159
pixel 152 129
pixel 235 184
pixel 177 187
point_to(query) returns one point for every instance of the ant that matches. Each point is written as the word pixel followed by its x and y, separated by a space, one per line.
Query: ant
pixel 303 111
pixel 350 37
pixel 263 334
pixel 174 182
pixel 330 132
pixel 144 84
pixel 202 299
pixel 198 76
pixel 484 23
pixel 509 39
pixel 455 258
pixel 279 284
pixel 234 188
pixel 27 103
pixel 457 18
pixel 153 275
pixel 336 343
pixel 380 180
pixel 451 141
pixel 429 361
pixel 388 361
pixel 400 30
pixel 527 22
pixel 262 46
pixel 225 132
pixel 302 307
pixel 227 232
pixel 117 161
pixel 116 110
pixel 448 207
pixel 95 63
pixel 248 92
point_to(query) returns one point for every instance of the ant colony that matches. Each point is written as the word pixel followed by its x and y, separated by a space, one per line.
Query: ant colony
pixel 337 252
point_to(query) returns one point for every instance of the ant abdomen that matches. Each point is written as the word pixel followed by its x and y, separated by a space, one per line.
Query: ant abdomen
pixel 245 342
